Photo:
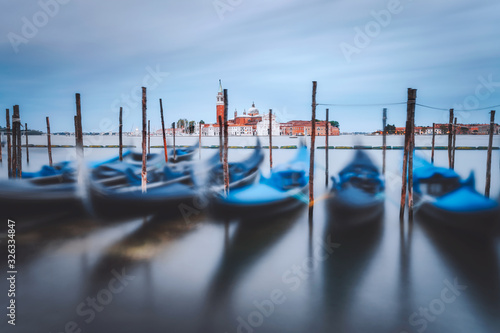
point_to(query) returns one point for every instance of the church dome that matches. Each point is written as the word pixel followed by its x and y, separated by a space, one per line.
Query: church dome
pixel 253 110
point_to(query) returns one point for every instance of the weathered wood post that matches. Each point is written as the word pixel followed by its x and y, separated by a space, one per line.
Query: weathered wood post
pixel 411 101
pixel 405 172
pixel 49 145
pixel 14 145
pixel 221 132
pixel 433 141
pixel 163 132
pixel 199 141
pixel 164 136
pixel 149 136
pixel 270 139
pixel 144 172
pixel 407 158
pixel 488 161
pixel 9 146
pixel 79 139
pixel 327 127
pixel 226 140
pixel 75 120
pixel 19 148
pixel 450 138
pixel 313 143
pixel 173 137
pixel 120 135
pixel 16 124
pixel 454 144
pixel 27 144
pixel 384 138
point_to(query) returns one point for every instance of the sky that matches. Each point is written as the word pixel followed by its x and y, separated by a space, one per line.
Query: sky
pixel 364 55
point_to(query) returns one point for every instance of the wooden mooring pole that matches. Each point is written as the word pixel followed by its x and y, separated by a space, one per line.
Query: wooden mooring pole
pixel 165 150
pixel 49 145
pixel 163 132
pixel 454 151
pixel 9 147
pixel 149 136
pixel 14 146
pixel 120 135
pixel 407 174
pixel 313 143
pixel 405 171
pixel 75 120
pixel 271 139
pixel 27 144
pixel 384 138
pixel 433 141
pixel 199 142
pixel 79 138
pixel 226 140
pixel 16 124
pixel 412 96
pixel 488 160
pixel 173 137
pixel 327 127
pixel 221 132
pixel 144 172
pixel 450 138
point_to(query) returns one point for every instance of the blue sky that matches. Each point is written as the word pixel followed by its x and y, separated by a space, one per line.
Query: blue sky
pixel 268 52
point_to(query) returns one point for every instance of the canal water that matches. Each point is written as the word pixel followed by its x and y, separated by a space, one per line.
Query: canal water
pixel 200 274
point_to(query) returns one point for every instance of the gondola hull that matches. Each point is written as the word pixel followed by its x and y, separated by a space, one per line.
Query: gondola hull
pixel 245 206
pixel 451 211
pixel 23 199
pixel 131 202
pixel 354 208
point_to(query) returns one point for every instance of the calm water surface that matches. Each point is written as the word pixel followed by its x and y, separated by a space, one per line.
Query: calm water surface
pixel 203 275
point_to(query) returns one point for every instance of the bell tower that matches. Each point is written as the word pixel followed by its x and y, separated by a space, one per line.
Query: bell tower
pixel 220 104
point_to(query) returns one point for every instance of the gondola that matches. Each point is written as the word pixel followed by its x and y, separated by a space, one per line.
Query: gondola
pixel 166 190
pixel 357 194
pixel 442 196
pixel 114 170
pixel 52 190
pixel 26 198
pixel 240 173
pixel 284 190
pixel 183 154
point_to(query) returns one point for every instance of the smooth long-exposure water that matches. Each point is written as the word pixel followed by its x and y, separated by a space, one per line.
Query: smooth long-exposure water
pixel 199 274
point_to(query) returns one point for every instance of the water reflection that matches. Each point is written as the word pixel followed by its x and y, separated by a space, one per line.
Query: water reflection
pixel 34 236
pixel 153 236
pixel 344 271
pixel 243 249
pixel 475 262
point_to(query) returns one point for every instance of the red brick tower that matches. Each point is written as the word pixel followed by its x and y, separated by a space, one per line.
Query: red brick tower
pixel 220 104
